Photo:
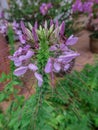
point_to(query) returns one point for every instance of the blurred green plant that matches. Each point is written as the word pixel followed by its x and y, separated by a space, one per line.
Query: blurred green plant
pixel 9 80
pixel 30 10
pixel 72 105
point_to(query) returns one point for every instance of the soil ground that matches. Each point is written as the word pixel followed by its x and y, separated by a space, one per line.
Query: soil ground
pixel 82 46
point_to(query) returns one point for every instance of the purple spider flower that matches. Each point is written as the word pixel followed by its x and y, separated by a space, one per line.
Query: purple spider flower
pixel 60 54
pixel 96 1
pixel 87 7
pixel 77 6
pixel 45 7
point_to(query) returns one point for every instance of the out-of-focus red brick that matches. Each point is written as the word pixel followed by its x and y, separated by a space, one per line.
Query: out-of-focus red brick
pixel 4 61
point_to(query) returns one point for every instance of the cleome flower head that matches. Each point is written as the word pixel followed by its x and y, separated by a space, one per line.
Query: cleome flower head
pixel 60 54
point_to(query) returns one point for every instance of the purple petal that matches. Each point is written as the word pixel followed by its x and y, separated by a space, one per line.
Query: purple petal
pixel 43 8
pixel 22 57
pixel 13 58
pixel 1 14
pixel 63 47
pixel 3 29
pixel 34 35
pixel 66 67
pixel 62 28
pixel 18 32
pixel 56 24
pixel 39 78
pixel 71 40
pixel 57 67
pixel 51 22
pixel 15 25
pixel 29 54
pixel 18 51
pixel 20 71
pixel 32 67
pixel 67 58
pixel 22 26
pixel 53 48
pixel 22 39
pixel 48 67
pixel 49 5
pixel 36 25
pixel 17 62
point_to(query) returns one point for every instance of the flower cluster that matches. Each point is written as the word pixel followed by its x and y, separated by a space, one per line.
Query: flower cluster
pixel 1 14
pixel 22 60
pixel 4 25
pixel 84 7
pixel 60 55
pixel 45 7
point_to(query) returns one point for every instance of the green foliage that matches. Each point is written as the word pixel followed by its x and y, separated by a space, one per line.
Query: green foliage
pixel 42 57
pixel 72 105
pixel 9 80
pixel 10 34
pixel 30 10
pixel 80 100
